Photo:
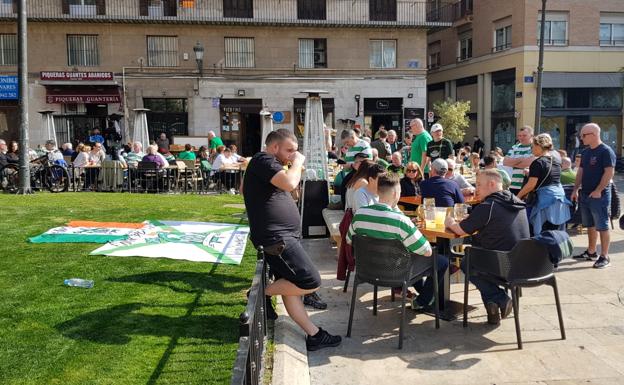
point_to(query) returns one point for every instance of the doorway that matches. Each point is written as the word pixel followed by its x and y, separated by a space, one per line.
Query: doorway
pixel 240 124
pixel 573 130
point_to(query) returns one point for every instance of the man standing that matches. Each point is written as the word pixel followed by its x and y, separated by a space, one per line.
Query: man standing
pixel 477 146
pixel 419 144
pixel 393 142
pixel 275 224
pixel 213 142
pixel 445 191
pixel 356 146
pixel 519 158
pixel 163 142
pixel 383 148
pixel 499 222
pixel 439 147
pixel 594 178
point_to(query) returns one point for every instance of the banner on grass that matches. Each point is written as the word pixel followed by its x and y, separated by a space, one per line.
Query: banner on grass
pixel 68 234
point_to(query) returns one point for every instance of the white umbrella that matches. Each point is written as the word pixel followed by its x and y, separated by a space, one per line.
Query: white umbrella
pixel 266 121
pixel 49 131
pixel 140 133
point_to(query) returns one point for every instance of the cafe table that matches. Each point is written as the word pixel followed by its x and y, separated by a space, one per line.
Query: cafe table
pixel 417 200
pixel 452 310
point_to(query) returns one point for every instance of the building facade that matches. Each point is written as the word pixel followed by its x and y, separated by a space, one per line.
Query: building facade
pixel 490 55
pixel 93 62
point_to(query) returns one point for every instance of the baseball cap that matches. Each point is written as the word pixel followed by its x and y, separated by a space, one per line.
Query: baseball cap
pixel 436 127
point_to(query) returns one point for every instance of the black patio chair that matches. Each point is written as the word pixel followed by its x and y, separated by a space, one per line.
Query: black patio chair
pixel 149 176
pixel 387 263
pixel 526 265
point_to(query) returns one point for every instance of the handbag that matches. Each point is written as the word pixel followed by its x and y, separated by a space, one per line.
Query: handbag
pixel 531 198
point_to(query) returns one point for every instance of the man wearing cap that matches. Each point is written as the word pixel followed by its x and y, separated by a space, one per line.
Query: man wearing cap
pixel 419 144
pixel 439 147
pixel 445 191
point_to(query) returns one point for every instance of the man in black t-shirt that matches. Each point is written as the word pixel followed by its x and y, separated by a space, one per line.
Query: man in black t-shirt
pixel 499 222
pixel 439 147
pixel 275 224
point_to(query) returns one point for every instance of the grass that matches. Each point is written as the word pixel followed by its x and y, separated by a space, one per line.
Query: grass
pixel 146 321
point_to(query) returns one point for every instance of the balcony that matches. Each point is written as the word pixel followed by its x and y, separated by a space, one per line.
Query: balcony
pixel 335 13
pixel 462 10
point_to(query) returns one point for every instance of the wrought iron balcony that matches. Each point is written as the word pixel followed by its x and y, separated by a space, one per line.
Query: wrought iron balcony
pixel 319 13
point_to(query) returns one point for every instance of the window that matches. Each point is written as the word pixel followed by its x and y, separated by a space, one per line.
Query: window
pixel 553 98
pixel 382 53
pixel 162 51
pixel 382 10
pixel 312 53
pixel 611 29
pixel 166 115
pixel 158 8
pixel 434 55
pixel 238 8
pixel 502 38
pixel 8 49
pixel 465 46
pixel 606 98
pixel 82 50
pixel 578 97
pixel 7 7
pixel 555 28
pixel 239 52
pixel 311 9
pixel 84 7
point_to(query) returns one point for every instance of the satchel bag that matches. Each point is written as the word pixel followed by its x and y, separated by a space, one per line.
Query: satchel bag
pixel 531 198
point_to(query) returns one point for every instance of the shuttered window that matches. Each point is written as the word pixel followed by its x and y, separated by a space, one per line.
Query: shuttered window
pixel 239 52
pixel 238 8
pixel 382 10
pixel 8 49
pixel 82 50
pixel 311 10
pixel 162 51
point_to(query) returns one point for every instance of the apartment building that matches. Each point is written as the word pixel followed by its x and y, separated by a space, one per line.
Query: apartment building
pixel 490 54
pixel 201 65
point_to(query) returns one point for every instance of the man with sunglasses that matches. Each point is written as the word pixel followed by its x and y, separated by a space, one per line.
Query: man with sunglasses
pixel 593 177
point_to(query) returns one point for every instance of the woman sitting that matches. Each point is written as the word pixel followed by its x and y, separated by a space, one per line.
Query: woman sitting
pixel 410 183
pixel 550 210
pixel 152 156
pixel 223 159
pixel 367 195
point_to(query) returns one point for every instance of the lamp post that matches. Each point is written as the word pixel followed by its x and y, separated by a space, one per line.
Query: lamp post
pixel 198 48
pixel 22 75
pixel 540 69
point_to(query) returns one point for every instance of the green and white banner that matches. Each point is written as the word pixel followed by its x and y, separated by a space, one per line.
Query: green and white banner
pixel 67 234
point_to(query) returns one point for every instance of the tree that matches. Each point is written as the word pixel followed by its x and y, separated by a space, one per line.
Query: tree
pixel 453 118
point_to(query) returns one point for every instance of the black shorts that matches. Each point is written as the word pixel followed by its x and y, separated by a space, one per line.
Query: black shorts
pixel 294 265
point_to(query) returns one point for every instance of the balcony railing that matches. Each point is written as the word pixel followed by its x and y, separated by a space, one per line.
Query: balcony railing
pixel 462 9
pixel 608 43
pixel 336 13
pixel 561 42
pixel 501 47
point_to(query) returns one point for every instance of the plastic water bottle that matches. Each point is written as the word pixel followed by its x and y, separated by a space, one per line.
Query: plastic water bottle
pixel 79 282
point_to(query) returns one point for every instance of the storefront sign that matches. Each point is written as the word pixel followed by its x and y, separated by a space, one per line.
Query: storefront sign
pixel 8 87
pixel 231 109
pixel 82 95
pixel 85 99
pixel 529 79
pixel 76 76
pixel 383 104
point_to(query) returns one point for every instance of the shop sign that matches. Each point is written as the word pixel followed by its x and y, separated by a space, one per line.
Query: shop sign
pixel 76 76
pixel 79 99
pixel 383 104
pixel 8 87
pixel 231 109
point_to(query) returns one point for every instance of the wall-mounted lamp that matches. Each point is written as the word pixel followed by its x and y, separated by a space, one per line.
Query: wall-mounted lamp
pixel 357 103
pixel 240 93
pixel 409 96
pixel 199 57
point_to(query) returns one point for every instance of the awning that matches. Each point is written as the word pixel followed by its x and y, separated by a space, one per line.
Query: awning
pixel 582 80
pixel 82 94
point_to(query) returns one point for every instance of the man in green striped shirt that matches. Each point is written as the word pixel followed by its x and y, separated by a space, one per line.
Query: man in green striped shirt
pixel 520 157
pixel 383 220
pixel 356 146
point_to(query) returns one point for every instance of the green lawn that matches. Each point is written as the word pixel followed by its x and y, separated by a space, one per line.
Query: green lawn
pixel 146 321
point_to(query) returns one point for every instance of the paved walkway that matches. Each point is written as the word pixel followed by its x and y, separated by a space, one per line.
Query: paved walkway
pixel 593 309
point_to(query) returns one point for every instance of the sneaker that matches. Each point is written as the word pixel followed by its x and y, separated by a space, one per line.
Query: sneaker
pixel 586 255
pixel 417 306
pixel 506 309
pixel 399 292
pixel 493 314
pixel 321 340
pixel 314 301
pixel 602 262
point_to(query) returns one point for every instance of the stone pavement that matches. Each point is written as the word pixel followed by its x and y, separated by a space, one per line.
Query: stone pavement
pixel 593 310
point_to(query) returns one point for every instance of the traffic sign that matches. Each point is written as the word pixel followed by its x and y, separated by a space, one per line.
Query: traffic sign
pixel 278 116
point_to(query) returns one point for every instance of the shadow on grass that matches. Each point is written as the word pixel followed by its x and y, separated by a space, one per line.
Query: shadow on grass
pixel 117 324
pixel 188 282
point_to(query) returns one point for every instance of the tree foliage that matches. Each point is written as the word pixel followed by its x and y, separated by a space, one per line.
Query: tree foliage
pixel 453 118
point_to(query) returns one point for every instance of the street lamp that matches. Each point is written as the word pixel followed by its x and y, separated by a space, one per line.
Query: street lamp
pixel 198 48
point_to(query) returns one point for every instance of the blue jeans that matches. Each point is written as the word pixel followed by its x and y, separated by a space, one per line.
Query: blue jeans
pixel 425 289
pixel 490 292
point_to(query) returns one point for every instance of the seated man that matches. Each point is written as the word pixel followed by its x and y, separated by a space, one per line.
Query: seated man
pixel 445 191
pixel 489 163
pixel 465 187
pixel 383 220
pixel 499 222
pixel 397 163
pixel 136 155
pixel 568 176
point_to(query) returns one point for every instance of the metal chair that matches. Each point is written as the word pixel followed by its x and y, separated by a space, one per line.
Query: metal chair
pixel 526 265
pixel 148 175
pixel 193 173
pixel 387 263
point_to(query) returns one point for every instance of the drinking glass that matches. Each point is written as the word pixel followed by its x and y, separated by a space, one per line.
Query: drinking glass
pixel 460 211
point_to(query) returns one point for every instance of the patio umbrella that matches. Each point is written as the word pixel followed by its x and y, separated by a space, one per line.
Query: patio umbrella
pixel 49 132
pixel 266 121
pixel 140 133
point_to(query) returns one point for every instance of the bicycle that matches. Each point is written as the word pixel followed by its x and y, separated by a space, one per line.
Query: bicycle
pixel 44 174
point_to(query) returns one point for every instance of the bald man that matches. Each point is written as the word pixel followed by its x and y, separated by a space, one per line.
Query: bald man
pixel 594 177
pixel 419 144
